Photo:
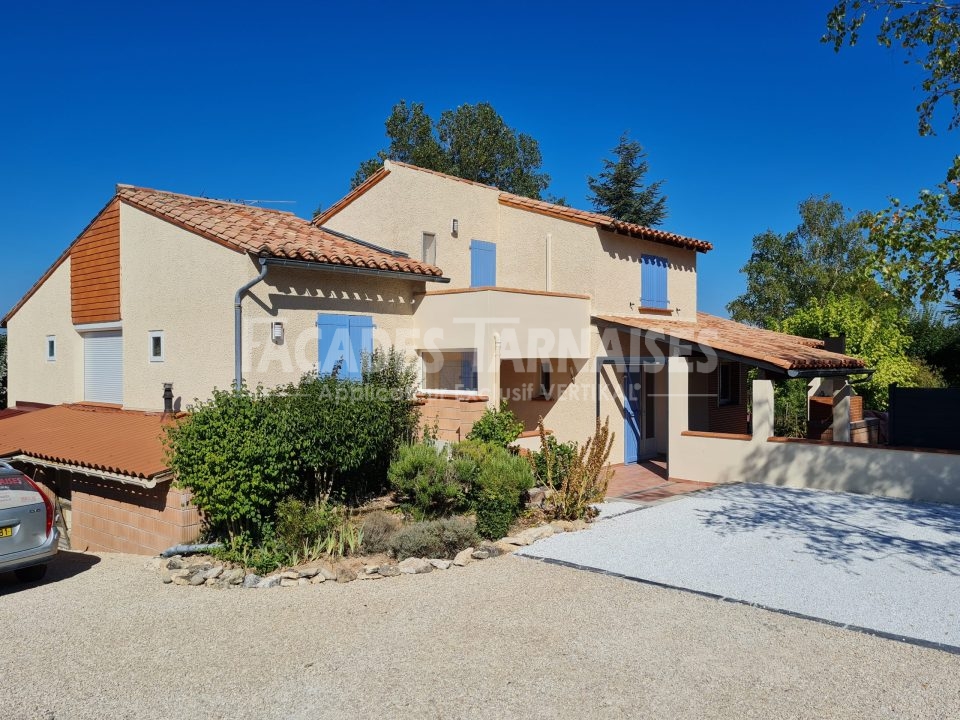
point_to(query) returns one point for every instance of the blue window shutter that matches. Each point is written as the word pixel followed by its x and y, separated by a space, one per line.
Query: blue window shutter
pixel 653 282
pixel 333 343
pixel 361 342
pixel 483 264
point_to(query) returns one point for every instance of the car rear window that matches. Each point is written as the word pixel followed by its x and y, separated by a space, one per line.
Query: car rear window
pixel 16 490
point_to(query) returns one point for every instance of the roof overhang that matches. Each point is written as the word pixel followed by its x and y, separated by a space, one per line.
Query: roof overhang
pixel 148 482
pixel 780 354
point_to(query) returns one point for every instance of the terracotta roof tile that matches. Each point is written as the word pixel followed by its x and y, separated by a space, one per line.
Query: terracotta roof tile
pixel 584 217
pixel 265 232
pixel 788 352
pixel 116 441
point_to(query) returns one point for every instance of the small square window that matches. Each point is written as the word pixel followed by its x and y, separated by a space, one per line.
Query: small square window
pixel 51 347
pixel 156 348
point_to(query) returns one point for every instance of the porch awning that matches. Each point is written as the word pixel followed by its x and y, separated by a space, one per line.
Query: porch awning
pixel 120 445
pixel 788 354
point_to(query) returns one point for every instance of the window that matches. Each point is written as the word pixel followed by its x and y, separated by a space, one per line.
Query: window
pixel 51 348
pixel 430 248
pixel 483 264
pixel 546 384
pixel 342 341
pixel 156 346
pixel 653 282
pixel 450 370
pixel 728 384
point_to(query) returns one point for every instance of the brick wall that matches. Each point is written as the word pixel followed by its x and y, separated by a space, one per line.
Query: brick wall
pixel 111 517
pixel 453 415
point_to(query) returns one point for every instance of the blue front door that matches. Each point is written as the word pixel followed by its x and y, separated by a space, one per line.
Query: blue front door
pixel 631 415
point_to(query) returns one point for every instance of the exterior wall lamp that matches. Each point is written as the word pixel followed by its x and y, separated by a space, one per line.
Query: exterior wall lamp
pixel 276 332
pixel 455 227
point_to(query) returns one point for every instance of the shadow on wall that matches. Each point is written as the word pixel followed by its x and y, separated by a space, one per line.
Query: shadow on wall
pixel 925 477
pixel 844 529
pixel 627 248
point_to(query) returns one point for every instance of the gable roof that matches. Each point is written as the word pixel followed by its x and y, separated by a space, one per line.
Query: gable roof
pixel 268 233
pixel 248 229
pixel 781 351
pixel 562 212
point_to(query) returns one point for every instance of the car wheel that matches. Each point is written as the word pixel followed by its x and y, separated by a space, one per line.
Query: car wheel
pixel 31 574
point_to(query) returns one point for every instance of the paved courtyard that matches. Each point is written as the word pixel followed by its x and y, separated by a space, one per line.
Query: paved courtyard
pixel 875 563
pixel 503 638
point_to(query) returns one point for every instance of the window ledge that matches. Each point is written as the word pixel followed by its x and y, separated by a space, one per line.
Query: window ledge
pixel 654 310
pixel 462 395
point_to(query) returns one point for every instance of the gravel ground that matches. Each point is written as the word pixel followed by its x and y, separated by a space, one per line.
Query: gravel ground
pixel 502 638
pixel 876 563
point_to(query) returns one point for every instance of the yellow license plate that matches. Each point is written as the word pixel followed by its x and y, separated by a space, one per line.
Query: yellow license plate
pixel 6 532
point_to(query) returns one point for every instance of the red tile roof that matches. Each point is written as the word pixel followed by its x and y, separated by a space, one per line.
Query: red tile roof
pixel 123 442
pixel 583 217
pixel 787 352
pixel 267 233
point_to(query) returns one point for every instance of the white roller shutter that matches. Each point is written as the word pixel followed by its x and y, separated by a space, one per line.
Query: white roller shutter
pixel 103 367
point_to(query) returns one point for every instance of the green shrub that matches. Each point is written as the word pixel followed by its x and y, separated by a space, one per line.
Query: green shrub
pixel 262 559
pixel 497 427
pixel 426 482
pixel 299 523
pixel 378 527
pixel 551 464
pixel 497 493
pixel 235 454
pixel 433 539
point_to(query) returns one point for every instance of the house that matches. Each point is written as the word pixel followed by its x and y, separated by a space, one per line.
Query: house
pixel 566 314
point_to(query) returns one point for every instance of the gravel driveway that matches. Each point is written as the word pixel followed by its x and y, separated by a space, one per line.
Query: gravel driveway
pixel 876 563
pixel 502 638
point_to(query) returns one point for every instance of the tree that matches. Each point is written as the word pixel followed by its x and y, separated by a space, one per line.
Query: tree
pixel 917 246
pixel 827 253
pixel 472 142
pixel 875 333
pixel 619 190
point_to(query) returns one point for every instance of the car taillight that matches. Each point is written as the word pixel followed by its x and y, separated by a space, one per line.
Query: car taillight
pixel 47 503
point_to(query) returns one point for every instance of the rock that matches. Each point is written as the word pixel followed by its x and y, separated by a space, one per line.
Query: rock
pixel 197 579
pixel 270 581
pixel 440 564
pixel 415 566
pixel 181 579
pixel 251 580
pixel 388 570
pixel 168 576
pixel 317 579
pixel 309 572
pixel 289 582
pixel 233 576
pixel 563 526
pixel 175 563
pixel 328 573
pixel 485 551
pixel 463 557
pixel 536 496
pixel 215 582
pixel 345 575
pixel 580 524
pixel 370 576
pixel 371 569
pixel 213 572
pixel 290 575
pixel 531 535
pixel 514 540
pixel 504 548
pixel 303 581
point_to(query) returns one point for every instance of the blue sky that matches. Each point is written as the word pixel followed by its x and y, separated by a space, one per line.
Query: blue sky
pixel 742 110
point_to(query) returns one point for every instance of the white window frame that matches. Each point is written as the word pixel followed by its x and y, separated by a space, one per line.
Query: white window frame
pixel 423 247
pixel 163 346
pixel 51 356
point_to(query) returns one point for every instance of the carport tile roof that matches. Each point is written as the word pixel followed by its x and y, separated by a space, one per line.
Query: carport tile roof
pixel 787 352
pixel 123 442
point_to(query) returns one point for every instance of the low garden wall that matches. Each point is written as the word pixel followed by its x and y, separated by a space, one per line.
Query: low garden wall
pixel 452 415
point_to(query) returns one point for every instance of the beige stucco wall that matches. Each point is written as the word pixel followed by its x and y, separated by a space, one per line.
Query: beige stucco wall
pixel 31 377
pixel 907 474
pixel 406 203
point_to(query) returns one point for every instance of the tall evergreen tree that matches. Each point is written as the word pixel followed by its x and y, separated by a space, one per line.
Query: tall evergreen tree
pixel 619 190
pixel 472 142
